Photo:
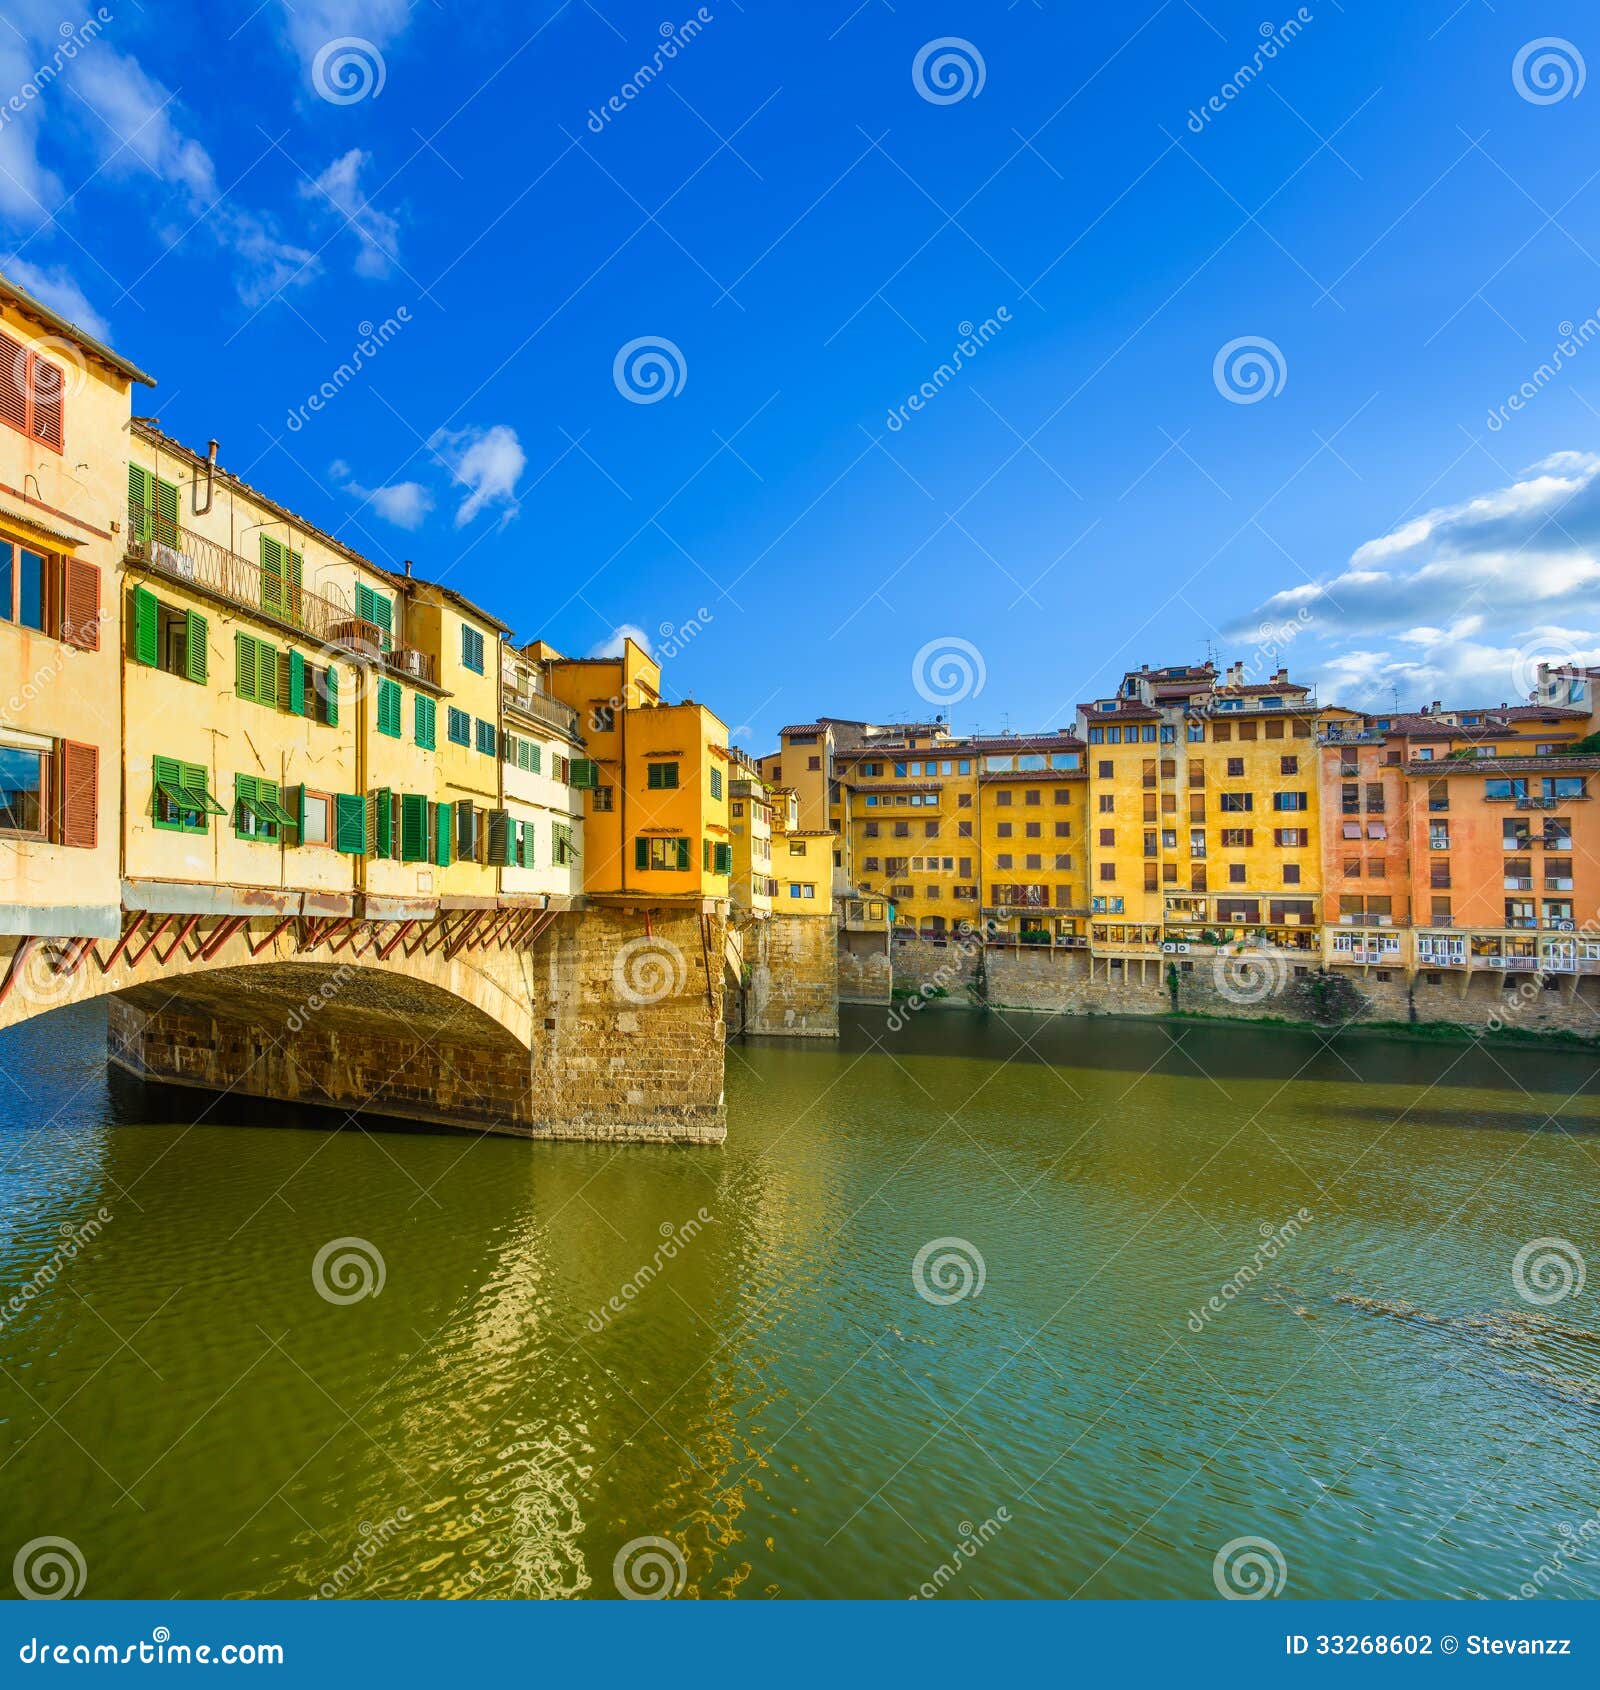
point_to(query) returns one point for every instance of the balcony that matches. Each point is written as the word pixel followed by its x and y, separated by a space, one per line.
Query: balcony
pixel 542 708
pixel 1518 882
pixel 1558 883
pixel 203 565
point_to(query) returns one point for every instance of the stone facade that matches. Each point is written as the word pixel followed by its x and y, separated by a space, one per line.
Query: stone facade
pixel 866 969
pixel 793 964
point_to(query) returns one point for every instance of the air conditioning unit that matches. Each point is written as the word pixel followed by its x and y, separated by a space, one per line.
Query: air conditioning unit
pixel 1495 961
pixel 1180 950
pixel 1565 926
pixel 174 561
pixel 1385 920
pixel 410 662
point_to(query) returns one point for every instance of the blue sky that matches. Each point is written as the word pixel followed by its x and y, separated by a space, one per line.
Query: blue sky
pixel 1396 206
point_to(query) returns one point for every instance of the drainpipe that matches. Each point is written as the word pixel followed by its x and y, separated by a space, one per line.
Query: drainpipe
pixel 211 482
pixel 622 782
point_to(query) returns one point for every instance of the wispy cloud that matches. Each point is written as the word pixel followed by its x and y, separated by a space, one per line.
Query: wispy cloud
pixel 338 191
pixel 1516 572
pixel 613 644
pixel 488 463
pixel 407 504
pixel 55 286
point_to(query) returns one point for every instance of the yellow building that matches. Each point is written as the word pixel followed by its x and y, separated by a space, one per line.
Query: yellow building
pixel 64 407
pixel 657 822
pixel 750 821
pixel 539 749
pixel 802 860
pixel 1204 811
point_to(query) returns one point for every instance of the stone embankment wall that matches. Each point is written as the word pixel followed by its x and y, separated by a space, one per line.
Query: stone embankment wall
pixel 793 964
pixel 1061 982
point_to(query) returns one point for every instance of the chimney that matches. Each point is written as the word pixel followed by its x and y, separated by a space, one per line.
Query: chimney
pixel 408 569
pixel 1235 674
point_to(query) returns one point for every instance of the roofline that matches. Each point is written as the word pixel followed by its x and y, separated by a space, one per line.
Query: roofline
pixel 29 306
pixel 406 582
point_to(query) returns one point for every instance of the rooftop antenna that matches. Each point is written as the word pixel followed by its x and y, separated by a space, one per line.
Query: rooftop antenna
pixel 1396 692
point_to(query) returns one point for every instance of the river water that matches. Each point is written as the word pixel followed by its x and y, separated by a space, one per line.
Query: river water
pixel 734 1351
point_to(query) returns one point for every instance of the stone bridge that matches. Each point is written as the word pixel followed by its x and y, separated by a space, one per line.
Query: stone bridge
pixel 589 1023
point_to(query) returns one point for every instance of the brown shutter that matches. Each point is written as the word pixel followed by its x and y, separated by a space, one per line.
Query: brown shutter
pixel 79 785
pixel 47 386
pixel 80 604
pixel 13 382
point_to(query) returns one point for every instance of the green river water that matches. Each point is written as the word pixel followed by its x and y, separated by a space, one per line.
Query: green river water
pixel 773 1396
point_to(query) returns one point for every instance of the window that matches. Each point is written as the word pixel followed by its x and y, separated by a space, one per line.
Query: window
pixel 425 721
pixel 1108 837
pixel 280 580
pixel 468 830
pixel 603 717
pixel 1236 801
pixel 257 813
pixel 24 792
pixel 179 799
pixel 658 855
pixel 256 670
pixel 22 586
pixel 1288 765
pixel 661 777
pixel 458 725
pixel 1002 830
pixel 604 798
pixel 167 639
pixel 716 783
pixel 1235 768
pixel 1291 874
pixel 378 609
pixel 389 708
pixel 471 649
pixel 316 816
pixel 1289 801
pixel 1108 803
pixel 486 737
pixel 797 847
pixel 31 391
pixel 1003 796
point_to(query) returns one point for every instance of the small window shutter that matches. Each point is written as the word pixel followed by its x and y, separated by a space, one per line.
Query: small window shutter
pixel 641 853
pixel 194 647
pixel 296 700
pixel 350 824
pixel 500 838
pixel 47 385
pixel 526 849
pixel 330 694
pixel 293 600
pixel 244 666
pixel 80 798
pixel 294 801
pixel 13 382
pixel 166 503
pixel 413 828
pixel 724 862
pixel 140 500
pixel 80 604
pixel 585 772
pixel 466 830
pixel 441 835
pixel 683 853
pixel 244 788
pixel 267 673
pixel 383 845
pixel 272 556
pixel 144 626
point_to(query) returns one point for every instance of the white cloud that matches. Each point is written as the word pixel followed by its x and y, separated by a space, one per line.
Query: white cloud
pixel 311 24
pixel 55 286
pixel 1460 603
pixel 407 504
pixel 612 646
pixel 488 463
pixel 338 189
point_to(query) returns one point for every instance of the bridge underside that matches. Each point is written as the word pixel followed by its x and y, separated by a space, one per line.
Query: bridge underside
pixel 552 1037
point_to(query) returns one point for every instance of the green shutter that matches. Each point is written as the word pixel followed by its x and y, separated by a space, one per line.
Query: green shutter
pixel 585 773
pixel 141 504
pixel 145 643
pixel 244 794
pixel 166 502
pixel 442 822
pixel 293 598
pixel 330 693
pixel 294 802
pixel 641 853
pixel 526 846
pixel 267 673
pixel 350 824
pixel 425 720
pixel 244 666
pixel 384 846
pixel 683 853
pixel 389 708
pixel 297 684
pixel 195 647
pixel 272 567
pixel 722 862
pixel 413 828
